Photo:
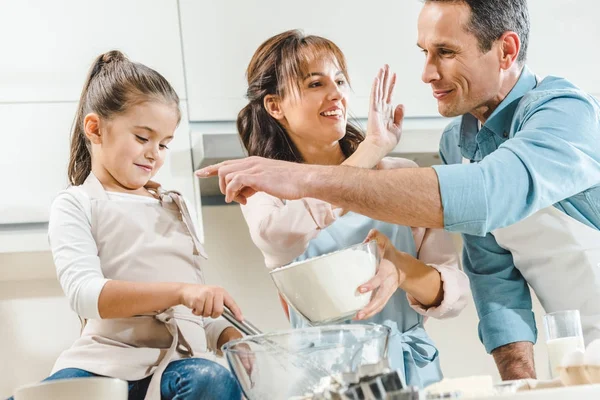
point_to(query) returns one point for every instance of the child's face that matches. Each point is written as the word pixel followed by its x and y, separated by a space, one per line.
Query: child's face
pixel 318 113
pixel 134 144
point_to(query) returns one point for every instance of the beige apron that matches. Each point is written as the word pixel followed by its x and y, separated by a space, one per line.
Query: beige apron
pixel 143 242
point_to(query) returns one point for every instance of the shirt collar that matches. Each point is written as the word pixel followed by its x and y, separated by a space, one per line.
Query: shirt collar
pixel 501 119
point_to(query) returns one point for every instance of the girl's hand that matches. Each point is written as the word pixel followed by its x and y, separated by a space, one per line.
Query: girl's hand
pixel 208 301
pixel 386 281
pixel 248 359
pixel 384 127
pixel 243 350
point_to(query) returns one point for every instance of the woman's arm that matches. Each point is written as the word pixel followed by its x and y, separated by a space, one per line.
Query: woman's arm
pixel 399 270
pixel 436 250
pixel 282 230
pixel 433 282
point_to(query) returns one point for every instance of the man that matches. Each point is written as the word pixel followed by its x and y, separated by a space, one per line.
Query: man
pixel 522 180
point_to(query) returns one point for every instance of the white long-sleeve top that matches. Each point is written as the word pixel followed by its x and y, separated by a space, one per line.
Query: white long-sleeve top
pixel 76 258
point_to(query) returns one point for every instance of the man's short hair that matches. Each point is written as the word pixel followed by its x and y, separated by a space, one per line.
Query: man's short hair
pixel 491 18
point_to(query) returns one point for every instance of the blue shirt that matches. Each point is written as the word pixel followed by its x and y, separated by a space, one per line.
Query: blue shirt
pixel 540 147
pixel 410 349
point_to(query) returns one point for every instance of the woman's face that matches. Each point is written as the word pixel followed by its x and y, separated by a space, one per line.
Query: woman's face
pixel 317 114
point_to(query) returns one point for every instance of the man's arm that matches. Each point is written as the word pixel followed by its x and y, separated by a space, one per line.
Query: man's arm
pixel 409 196
pixel 552 157
pixel 515 361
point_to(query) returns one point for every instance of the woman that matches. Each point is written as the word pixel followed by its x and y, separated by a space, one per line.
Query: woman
pixel 298 111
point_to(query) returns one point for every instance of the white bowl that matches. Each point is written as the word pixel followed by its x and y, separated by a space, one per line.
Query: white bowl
pixel 94 388
pixel 324 289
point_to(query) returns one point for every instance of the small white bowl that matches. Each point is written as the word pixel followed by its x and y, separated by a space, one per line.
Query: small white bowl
pixel 324 289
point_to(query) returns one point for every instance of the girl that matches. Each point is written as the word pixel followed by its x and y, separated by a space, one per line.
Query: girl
pixel 126 251
pixel 298 96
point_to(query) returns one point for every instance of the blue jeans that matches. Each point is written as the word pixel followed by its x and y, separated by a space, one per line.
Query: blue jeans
pixel 187 379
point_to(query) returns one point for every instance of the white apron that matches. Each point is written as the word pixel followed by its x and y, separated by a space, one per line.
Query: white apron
pixel 559 257
pixel 141 242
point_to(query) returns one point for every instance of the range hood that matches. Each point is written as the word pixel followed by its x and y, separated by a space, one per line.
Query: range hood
pixel 218 142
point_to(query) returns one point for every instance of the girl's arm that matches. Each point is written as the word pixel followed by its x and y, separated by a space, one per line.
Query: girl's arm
pixel 91 295
pixel 75 252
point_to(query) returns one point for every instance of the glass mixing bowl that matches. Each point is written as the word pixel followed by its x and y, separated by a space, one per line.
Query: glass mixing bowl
pixel 294 363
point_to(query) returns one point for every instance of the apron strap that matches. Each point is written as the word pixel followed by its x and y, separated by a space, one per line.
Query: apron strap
pixel 418 351
pixel 95 190
pixel 187 220
pixel 178 345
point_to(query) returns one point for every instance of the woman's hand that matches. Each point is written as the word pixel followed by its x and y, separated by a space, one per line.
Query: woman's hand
pixel 386 281
pixel 208 301
pixel 384 127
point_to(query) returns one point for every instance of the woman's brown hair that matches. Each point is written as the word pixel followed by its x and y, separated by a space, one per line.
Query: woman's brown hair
pixel 113 85
pixel 276 68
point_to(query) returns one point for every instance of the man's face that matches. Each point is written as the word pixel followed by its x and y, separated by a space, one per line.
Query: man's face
pixel 463 79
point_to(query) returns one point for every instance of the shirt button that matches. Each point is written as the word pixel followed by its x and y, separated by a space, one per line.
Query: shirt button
pixel 506 134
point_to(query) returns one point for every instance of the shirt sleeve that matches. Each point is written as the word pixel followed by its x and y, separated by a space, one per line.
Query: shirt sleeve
pixel 75 252
pixel 282 230
pixel 435 248
pixel 500 292
pixel 554 154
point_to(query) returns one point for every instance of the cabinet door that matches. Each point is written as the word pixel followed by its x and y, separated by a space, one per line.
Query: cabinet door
pixel 33 164
pixel 219 41
pixel 48 46
pixel 564 39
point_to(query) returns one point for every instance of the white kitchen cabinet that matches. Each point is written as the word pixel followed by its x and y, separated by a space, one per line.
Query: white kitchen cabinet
pixel 563 41
pixel 48 46
pixel 219 38
pixel 33 164
pixel 34 159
